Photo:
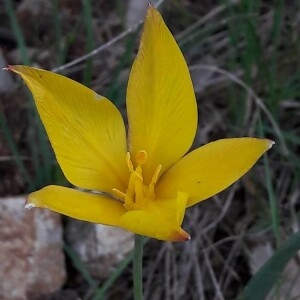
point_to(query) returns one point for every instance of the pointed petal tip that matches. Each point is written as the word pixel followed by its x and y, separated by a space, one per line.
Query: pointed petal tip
pixel 271 143
pixel 151 9
pixel 181 236
pixel 34 201
pixel 14 68
pixel 8 68
pixel 29 204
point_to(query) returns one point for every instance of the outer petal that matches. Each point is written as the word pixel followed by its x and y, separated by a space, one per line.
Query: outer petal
pixel 210 169
pixel 160 219
pixel 79 205
pixel 86 130
pixel 162 110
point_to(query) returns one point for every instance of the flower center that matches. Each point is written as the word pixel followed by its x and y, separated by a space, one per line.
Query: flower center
pixel 137 193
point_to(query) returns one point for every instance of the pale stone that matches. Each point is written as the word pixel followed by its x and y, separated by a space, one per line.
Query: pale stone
pixel 31 256
pixel 100 247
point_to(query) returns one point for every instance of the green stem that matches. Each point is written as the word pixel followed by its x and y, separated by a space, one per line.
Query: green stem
pixel 138 267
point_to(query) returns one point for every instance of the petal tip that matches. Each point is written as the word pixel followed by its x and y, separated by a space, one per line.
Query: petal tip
pixel 181 236
pixel 8 68
pixel 13 68
pixel 270 143
pixel 29 204
pixel 34 201
pixel 151 11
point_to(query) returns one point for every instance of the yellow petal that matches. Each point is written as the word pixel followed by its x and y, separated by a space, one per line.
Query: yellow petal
pixel 86 130
pixel 79 205
pixel 161 104
pixel 171 210
pixel 160 219
pixel 210 169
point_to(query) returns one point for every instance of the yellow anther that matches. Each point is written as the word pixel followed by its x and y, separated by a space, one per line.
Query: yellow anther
pixel 141 157
pixel 156 173
pixel 119 194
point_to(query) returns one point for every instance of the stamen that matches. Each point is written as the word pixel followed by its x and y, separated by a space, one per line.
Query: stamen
pixel 141 157
pixel 119 194
pixel 130 167
pixel 129 162
pixel 137 192
pixel 138 172
pixel 156 173
pixel 154 179
pixel 139 195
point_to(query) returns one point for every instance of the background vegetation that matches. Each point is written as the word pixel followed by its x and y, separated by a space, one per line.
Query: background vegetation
pixel 244 60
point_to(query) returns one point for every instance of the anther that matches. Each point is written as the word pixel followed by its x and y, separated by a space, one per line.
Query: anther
pixel 141 157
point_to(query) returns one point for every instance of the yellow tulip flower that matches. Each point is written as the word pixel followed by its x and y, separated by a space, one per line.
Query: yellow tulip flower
pixel 144 182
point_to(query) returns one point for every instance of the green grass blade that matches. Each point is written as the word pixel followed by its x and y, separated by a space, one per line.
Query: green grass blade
pixel 265 279
pixel 13 148
pixel 17 31
pixel 274 82
pixel 272 201
pixel 58 32
pixel 100 292
pixel 42 173
pixel 275 216
pixel 80 266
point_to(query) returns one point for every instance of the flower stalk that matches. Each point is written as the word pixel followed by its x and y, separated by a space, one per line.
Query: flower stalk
pixel 138 267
